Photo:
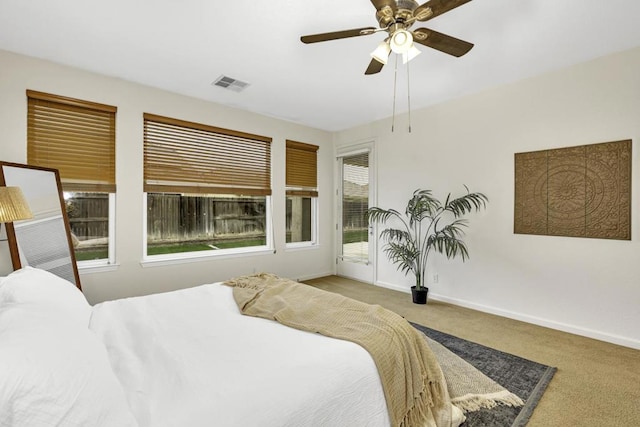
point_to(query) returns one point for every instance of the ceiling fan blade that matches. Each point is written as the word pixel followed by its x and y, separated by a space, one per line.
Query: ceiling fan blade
pixel 374 67
pixel 438 7
pixel 441 42
pixel 323 37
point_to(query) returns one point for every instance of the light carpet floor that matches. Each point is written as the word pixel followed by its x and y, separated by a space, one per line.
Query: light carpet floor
pixel 597 384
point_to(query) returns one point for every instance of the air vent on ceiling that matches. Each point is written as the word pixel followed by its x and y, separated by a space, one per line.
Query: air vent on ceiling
pixel 230 83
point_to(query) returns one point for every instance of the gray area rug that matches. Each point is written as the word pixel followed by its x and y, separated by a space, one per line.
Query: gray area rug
pixel 525 378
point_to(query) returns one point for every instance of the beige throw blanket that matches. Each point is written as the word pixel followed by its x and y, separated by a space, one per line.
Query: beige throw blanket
pixel 469 389
pixel 412 380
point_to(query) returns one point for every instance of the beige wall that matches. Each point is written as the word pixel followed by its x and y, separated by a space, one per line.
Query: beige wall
pixel 18 73
pixel 587 286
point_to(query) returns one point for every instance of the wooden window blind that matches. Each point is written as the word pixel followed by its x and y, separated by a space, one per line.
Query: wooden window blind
pixel 186 157
pixel 302 169
pixel 76 137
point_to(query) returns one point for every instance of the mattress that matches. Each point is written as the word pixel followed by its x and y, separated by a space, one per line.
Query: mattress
pixel 189 357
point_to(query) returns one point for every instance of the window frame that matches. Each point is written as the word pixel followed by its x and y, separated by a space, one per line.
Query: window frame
pixel 313 243
pixel 186 257
pixel 104 264
pixel 303 183
pixel 84 183
pixel 209 185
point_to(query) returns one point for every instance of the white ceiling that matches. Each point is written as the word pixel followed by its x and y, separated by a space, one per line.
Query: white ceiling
pixel 184 45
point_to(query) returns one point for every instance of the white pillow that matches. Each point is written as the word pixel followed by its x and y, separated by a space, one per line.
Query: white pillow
pixel 55 373
pixel 35 286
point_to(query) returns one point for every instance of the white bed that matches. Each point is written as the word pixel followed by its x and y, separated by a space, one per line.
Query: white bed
pixel 183 358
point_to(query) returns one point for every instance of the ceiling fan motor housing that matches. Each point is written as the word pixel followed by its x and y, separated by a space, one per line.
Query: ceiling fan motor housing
pixel 407 4
pixel 404 12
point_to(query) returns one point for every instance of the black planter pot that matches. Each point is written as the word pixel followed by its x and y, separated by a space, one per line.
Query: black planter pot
pixel 419 295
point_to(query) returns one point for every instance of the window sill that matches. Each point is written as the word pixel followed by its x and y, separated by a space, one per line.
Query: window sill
pixel 290 247
pixel 172 259
pixel 97 267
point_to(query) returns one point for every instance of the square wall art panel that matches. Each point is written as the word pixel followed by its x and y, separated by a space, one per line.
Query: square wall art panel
pixel 575 192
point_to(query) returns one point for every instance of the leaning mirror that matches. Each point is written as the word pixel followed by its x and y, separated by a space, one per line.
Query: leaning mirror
pixel 43 241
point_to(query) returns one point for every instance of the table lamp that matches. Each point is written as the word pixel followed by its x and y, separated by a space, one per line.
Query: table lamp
pixel 13 205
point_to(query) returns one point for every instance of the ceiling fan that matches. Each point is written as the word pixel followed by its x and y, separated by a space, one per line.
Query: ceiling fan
pixel 396 17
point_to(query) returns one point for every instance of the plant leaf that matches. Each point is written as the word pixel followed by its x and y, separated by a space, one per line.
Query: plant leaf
pixel 375 214
pixel 409 248
pixel 466 203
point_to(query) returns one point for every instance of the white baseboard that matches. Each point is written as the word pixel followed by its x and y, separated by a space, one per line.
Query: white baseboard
pixel 314 276
pixel 564 327
pixel 391 286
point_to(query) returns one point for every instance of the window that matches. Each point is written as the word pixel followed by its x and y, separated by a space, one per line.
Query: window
pixel 355 203
pixel 78 138
pixel 207 189
pixel 302 193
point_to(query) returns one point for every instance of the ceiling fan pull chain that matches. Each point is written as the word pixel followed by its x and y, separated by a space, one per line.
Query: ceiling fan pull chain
pixel 409 96
pixel 395 83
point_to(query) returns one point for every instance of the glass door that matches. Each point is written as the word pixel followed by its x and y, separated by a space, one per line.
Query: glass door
pixel 355 237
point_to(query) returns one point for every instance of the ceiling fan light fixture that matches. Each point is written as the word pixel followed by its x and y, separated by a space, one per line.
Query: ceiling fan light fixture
pixel 381 54
pixel 401 41
pixel 410 54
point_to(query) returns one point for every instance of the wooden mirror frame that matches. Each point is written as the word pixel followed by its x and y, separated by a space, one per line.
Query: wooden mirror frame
pixel 16 247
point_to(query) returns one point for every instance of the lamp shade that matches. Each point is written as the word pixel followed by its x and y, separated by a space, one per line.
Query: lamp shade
pixel 410 54
pixel 401 41
pixel 13 205
pixel 381 54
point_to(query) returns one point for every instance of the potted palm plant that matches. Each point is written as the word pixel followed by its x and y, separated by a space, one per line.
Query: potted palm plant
pixel 427 225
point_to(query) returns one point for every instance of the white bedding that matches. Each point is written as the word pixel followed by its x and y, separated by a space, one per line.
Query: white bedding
pixel 53 370
pixel 189 358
